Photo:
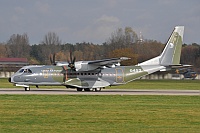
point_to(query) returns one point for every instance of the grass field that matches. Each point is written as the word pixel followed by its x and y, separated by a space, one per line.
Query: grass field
pixel 137 84
pixel 162 84
pixel 84 113
pixel 66 113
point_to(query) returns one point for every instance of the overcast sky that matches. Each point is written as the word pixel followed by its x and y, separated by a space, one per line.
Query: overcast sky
pixel 94 20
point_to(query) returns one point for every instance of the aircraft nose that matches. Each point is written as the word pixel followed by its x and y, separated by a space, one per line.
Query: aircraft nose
pixel 9 79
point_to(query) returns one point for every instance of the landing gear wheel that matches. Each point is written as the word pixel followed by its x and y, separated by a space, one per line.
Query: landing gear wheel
pixel 79 89
pixel 27 88
pixel 97 89
pixel 87 89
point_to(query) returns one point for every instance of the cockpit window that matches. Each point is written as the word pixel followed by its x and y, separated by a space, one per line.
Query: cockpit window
pixel 21 70
pixel 25 71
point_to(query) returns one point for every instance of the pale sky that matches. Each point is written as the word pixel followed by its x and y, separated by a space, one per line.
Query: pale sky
pixel 94 20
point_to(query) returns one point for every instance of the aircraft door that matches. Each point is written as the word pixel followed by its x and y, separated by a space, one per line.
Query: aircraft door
pixel 119 75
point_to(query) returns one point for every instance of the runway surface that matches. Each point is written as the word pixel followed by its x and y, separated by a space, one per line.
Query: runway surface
pixel 103 92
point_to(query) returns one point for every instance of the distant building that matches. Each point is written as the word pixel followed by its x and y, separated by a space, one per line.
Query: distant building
pixel 12 64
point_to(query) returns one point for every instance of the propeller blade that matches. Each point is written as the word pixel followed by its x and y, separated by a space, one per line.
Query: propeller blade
pixel 70 56
pixel 50 57
pixel 54 59
pixel 74 60
pixel 71 61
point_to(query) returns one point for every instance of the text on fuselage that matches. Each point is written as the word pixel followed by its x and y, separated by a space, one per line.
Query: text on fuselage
pixel 135 70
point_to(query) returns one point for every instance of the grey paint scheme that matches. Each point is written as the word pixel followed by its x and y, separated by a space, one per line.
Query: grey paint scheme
pixel 40 76
pixel 99 73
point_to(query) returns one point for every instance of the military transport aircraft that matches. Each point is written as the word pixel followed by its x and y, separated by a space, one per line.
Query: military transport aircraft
pixel 95 75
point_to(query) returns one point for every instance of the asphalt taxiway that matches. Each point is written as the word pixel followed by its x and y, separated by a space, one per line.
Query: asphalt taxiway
pixel 103 92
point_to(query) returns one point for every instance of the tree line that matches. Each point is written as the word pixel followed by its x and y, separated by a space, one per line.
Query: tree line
pixel 122 42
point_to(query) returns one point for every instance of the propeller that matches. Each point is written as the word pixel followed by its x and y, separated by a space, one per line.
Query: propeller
pixel 72 62
pixel 52 59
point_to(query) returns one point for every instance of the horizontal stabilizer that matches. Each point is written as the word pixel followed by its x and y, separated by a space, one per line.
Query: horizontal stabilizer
pixel 181 66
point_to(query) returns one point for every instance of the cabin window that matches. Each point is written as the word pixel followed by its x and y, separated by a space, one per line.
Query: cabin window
pixel 29 71
pixel 25 71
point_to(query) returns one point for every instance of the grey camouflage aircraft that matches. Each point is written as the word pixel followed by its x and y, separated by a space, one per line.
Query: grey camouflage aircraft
pixel 98 74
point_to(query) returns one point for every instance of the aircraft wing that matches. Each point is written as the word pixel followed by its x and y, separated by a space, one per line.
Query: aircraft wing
pixel 92 65
pixel 107 62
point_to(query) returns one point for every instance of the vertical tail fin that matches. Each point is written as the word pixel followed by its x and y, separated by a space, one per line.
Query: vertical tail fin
pixel 172 52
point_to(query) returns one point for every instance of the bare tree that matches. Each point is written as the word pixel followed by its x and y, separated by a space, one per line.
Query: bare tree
pixel 18 46
pixel 130 36
pixel 122 38
pixel 51 38
pixel 51 45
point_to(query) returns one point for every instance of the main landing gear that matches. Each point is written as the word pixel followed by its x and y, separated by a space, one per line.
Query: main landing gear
pixel 89 89
pixel 27 88
pixel 97 89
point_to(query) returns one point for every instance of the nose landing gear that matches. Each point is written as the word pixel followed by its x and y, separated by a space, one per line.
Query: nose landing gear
pixel 27 88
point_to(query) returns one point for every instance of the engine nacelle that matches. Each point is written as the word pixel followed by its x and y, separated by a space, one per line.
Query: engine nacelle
pixel 84 66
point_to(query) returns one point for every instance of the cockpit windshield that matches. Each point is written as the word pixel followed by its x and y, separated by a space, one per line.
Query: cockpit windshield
pixel 25 71
pixel 21 71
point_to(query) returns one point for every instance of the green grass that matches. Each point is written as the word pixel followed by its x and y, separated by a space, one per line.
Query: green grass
pixel 79 113
pixel 137 84
pixel 4 83
pixel 161 84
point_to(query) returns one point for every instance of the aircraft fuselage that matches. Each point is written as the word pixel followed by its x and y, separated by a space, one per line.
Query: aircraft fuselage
pixel 63 75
